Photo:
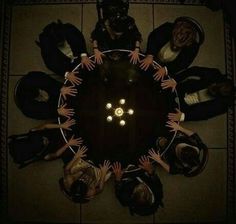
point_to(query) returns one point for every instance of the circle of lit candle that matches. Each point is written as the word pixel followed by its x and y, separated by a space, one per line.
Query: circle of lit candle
pixel 109 105
pixel 119 112
pixel 122 101
pixel 122 123
pixel 109 118
pixel 130 111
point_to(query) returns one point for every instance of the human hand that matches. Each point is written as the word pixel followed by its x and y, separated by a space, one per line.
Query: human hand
pixel 67 124
pixel 75 141
pixel 71 76
pixel 98 56
pixel 145 164
pixel 116 168
pixel 173 125
pixel 159 75
pixel 105 167
pixel 68 90
pixel 81 153
pixel 146 62
pixel 169 83
pixel 175 116
pixel 134 56
pixel 63 111
pixel 154 155
pixel 87 62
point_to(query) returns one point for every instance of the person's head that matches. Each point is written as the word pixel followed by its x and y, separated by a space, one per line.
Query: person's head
pixel 189 156
pixel 78 191
pixel 115 10
pixel 225 89
pixel 184 34
pixel 57 33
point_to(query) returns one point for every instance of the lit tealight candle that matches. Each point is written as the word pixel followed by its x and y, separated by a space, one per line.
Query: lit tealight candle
pixel 122 101
pixel 130 111
pixel 122 123
pixel 109 118
pixel 108 106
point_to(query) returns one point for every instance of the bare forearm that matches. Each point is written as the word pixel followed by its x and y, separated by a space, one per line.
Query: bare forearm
pixel 164 165
pixel 186 131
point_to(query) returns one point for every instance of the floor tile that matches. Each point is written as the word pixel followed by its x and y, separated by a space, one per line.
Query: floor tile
pixel 26 26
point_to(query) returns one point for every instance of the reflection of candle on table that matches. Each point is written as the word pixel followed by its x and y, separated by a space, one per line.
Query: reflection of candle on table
pixel 130 111
pixel 109 105
pixel 109 118
pixel 122 123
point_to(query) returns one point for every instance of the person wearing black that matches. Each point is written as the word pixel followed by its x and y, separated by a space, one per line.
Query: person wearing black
pixel 183 155
pixel 115 30
pixel 63 47
pixel 173 45
pixel 203 93
pixel 36 95
pixel 138 188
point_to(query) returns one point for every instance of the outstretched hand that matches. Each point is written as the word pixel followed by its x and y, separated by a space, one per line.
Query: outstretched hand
pixel 67 124
pixel 68 90
pixel 146 62
pixel 117 170
pixel 160 74
pixel 154 155
pixel 173 125
pixel 81 153
pixel 72 77
pixel 145 164
pixel 75 141
pixel 98 56
pixel 175 116
pixel 169 83
pixel 63 111
pixel 134 56
pixel 87 62
pixel 105 167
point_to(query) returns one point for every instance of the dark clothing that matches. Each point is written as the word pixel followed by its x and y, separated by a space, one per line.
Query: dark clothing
pixel 27 90
pixel 159 37
pixel 176 166
pixel 53 58
pixel 127 40
pixel 125 187
pixel 195 79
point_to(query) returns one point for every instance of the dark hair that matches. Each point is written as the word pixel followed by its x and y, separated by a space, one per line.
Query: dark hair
pixel 78 191
pixel 190 156
pixel 224 88
pixel 56 32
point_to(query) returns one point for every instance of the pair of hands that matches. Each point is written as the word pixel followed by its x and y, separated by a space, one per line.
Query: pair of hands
pixel 144 163
pixel 134 56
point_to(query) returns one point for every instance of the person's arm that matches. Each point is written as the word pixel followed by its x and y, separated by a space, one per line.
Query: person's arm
pixel 81 153
pixel 66 125
pixel 157 157
pixel 104 170
pixel 176 127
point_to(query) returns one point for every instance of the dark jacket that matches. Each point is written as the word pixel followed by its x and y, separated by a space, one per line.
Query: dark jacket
pixel 125 187
pixel 53 58
pixel 28 87
pixel 127 40
pixel 176 166
pixel 159 37
pixel 195 79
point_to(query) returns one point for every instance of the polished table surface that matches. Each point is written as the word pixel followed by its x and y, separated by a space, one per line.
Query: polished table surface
pixel 118 79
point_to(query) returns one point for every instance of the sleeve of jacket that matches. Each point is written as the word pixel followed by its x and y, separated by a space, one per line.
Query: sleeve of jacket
pixel 158 37
pixel 183 60
pixel 133 31
pixel 205 110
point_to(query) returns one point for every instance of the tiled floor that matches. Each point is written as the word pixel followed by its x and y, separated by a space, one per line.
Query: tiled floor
pixel 34 194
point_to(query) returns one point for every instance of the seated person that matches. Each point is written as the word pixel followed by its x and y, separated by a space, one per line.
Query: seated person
pixel 183 155
pixel 203 93
pixel 43 142
pixel 139 189
pixel 36 95
pixel 173 45
pixel 63 47
pixel 82 180
pixel 115 30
